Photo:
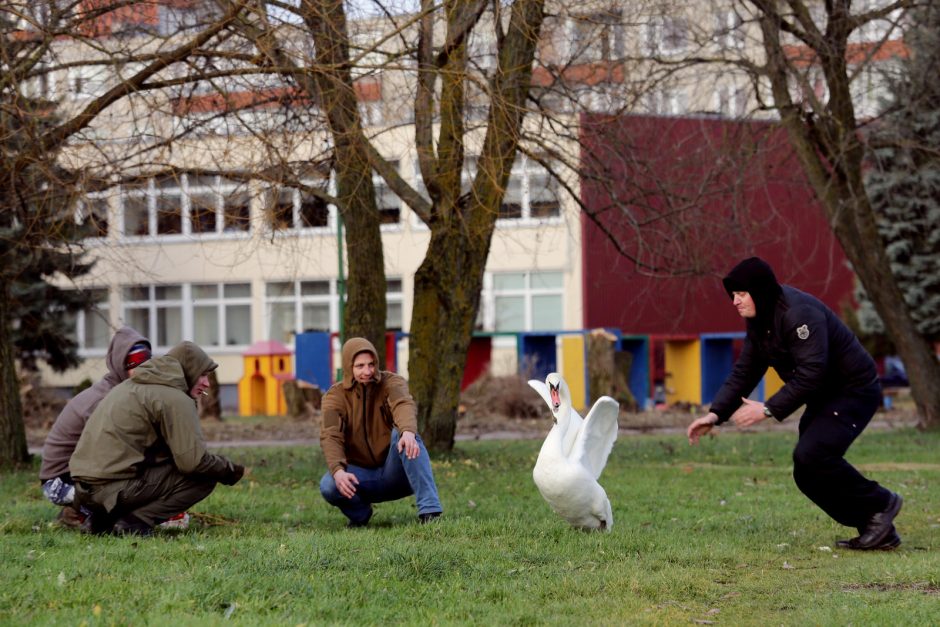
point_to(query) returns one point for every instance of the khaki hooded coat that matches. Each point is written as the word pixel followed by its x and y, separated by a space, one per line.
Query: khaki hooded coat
pixel 147 420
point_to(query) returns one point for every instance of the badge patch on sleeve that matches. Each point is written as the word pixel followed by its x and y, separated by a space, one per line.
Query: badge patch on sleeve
pixel 802 332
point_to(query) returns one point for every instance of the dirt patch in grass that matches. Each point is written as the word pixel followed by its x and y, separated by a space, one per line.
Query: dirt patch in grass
pixel 918 586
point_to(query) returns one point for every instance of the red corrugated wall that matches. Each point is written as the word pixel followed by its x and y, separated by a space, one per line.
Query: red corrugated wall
pixel 687 198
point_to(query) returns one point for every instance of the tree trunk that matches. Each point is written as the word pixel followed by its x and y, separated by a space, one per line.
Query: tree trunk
pixel 13 449
pixel 830 150
pixel 365 309
pixel 446 300
pixel 856 229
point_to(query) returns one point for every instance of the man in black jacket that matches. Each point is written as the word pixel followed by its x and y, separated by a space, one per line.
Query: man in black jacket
pixel 825 368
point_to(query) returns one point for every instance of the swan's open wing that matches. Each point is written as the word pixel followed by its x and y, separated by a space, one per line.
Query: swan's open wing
pixel 597 435
pixel 542 389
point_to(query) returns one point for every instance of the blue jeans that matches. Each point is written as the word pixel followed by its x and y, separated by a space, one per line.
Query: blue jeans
pixel 397 478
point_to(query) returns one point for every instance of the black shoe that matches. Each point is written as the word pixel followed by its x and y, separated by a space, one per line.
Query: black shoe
pixel 131 525
pixel 429 517
pixel 356 524
pixel 891 541
pixel 881 524
pixel 97 524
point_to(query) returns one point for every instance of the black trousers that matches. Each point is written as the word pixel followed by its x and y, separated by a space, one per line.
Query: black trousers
pixel 827 429
pixel 155 495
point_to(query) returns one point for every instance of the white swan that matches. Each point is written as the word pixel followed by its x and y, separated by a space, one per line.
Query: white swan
pixel 574 454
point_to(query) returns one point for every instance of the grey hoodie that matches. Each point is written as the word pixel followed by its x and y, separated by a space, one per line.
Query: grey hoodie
pixel 70 422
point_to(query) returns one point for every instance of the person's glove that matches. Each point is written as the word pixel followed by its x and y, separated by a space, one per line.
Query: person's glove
pixel 234 475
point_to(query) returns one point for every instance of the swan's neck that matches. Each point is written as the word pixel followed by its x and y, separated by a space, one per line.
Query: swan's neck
pixel 557 435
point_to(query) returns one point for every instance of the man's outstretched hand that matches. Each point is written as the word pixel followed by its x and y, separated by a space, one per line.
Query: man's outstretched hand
pixel 700 427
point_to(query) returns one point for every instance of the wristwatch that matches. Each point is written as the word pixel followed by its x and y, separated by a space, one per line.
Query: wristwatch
pixel 767 412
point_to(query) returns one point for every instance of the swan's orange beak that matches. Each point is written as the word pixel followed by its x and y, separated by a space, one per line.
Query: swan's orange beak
pixel 556 399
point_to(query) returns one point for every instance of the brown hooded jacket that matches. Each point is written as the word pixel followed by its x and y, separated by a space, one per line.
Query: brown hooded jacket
pixel 358 419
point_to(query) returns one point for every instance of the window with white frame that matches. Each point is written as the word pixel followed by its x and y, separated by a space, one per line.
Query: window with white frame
pixel 393 300
pixel 531 193
pixel 524 301
pixel 184 204
pixel 172 19
pixel 290 208
pixel 876 30
pixel 666 101
pixel 93 211
pixel 389 205
pixel 210 314
pixel 156 311
pixel 135 208
pixel 666 34
pixel 168 205
pixel 235 205
pixel 93 327
pixel 729 29
pixel 296 306
pixel 202 194
pixel 88 81
pixel 153 207
pixel 731 100
pixel 221 314
pixel 596 37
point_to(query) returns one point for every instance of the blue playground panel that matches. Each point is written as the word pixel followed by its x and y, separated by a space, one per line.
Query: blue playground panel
pixel 717 362
pixel 314 357
pixel 639 381
pixel 537 355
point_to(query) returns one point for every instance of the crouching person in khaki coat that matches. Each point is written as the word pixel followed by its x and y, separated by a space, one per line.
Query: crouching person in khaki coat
pixel 142 457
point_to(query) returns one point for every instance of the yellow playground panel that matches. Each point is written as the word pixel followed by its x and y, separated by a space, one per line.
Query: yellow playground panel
pixel 772 383
pixel 683 370
pixel 573 369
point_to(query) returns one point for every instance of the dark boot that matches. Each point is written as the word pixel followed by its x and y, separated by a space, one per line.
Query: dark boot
pixel 131 525
pixel 881 525
pixel 891 541
pixel 70 517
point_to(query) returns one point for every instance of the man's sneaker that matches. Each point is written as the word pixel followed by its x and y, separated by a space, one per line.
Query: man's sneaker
pixel 179 522
pixel 429 517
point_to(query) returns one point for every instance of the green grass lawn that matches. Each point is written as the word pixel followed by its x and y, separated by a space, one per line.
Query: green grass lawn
pixel 712 534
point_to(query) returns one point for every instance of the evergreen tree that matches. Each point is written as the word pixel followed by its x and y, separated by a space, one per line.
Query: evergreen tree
pixel 39 245
pixel 904 180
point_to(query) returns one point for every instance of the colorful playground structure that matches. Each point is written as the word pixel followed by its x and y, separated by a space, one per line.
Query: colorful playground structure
pixel 664 369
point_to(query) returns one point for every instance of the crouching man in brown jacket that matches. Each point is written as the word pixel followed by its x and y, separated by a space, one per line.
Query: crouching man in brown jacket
pixel 141 457
pixel 369 438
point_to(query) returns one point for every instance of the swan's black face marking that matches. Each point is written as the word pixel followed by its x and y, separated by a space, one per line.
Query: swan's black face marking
pixel 556 398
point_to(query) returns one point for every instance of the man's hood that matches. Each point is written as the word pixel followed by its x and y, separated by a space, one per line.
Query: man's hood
pixel 180 368
pixel 756 277
pixel 194 360
pixel 120 346
pixel 351 348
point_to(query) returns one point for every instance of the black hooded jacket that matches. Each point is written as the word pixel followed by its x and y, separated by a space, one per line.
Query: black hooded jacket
pixel 815 354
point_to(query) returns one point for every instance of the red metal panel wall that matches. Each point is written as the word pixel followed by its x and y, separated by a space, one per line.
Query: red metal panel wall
pixel 695 196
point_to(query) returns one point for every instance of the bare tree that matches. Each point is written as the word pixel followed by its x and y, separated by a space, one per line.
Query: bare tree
pixel 461 217
pixel 804 42
pixel 42 137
